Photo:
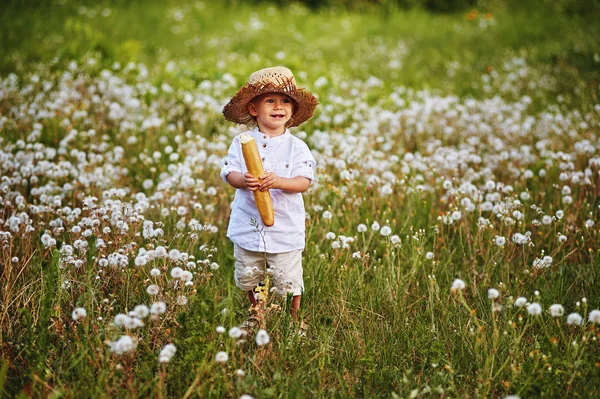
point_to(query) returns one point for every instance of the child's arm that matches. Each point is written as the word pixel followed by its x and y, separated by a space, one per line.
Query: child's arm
pixel 298 184
pixel 242 181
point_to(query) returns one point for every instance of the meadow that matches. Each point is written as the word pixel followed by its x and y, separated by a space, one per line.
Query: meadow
pixel 452 227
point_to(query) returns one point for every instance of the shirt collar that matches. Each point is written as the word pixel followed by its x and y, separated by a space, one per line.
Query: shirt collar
pixel 265 137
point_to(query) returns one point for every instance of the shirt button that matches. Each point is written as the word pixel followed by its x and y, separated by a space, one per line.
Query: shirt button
pixel 263 159
pixel 287 165
pixel 264 137
pixel 264 146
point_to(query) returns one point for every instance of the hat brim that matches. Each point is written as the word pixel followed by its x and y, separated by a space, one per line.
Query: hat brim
pixel 236 109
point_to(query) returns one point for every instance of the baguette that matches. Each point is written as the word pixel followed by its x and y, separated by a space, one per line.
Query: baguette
pixel 255 168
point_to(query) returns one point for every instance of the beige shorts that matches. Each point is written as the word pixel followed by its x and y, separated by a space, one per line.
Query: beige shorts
pixel 286 270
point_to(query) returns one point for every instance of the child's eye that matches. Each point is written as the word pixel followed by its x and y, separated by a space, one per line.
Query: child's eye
pixel 285 100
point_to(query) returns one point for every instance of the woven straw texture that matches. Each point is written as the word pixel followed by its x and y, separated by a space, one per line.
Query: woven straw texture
pixel 270 80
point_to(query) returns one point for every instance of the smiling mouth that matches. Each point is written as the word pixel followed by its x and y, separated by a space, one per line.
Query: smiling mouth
pixel 278 116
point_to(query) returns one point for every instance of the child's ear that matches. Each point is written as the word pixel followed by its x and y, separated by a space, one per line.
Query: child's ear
pixel 252 109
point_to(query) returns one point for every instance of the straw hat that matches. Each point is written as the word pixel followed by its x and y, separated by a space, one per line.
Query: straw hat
pixel 277 79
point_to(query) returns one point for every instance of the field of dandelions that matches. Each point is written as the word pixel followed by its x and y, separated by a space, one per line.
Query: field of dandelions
pixel 452 228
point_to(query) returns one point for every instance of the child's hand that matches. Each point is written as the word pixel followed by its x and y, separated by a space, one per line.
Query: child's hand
pixel 268 181
pixel 250 182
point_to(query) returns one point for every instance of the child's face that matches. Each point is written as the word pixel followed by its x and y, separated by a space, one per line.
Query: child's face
pixel 272 112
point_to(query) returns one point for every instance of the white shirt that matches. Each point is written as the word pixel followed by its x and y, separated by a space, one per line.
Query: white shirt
pixel 286 156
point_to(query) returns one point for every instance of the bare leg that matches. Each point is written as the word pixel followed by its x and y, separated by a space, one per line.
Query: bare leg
pixel 295 306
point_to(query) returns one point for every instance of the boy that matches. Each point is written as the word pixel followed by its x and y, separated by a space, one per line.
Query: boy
pixel 270 103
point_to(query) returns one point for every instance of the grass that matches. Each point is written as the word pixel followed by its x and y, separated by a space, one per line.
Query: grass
pixel 133 92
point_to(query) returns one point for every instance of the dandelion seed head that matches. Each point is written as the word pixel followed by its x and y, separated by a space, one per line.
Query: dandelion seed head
pixel 235 332
pixel 158 308
pixel 152 289
pixel 574 319
pixel 594 316
pixel 534 309
pixel 222 357
pixel 79 314
pixel 262 337
pixel 520 302
pixel 493 293
pixel 557 310
pixel 458 284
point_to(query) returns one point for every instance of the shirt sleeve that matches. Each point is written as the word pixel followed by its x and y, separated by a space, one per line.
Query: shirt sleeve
pixel 304 162
pixel 231 163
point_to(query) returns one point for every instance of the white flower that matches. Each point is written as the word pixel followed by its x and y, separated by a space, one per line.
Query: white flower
pixel 262 337
pixel 559 214
pixel 122 319
pixel 167 353
pixel 557 310
pixel 155 272
pixel 79 314
pixel 220 330
pixel 122 345
pixel 152 289
pixel 493 293
pixel 429 255
pixel 456 215
pixel 520 302
pixel 375 226
pixel 235 332
pixel 594 316
pixel 327 215
pixel 562 238
pixel 222 357
pixel 176 272
pixel 330 236
pixel 574 319
pixel 160 252
pixel 534 309
pixel 174 254
pixel 181 300
pixel 589 223
pixel 141 311
pixel 140 261
pixel 458 284
pixel 48 241
pixel 361 228
pixel 158 308
pixel 186 276
pixel 500 241
pixel 385 231
pixel 395 239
